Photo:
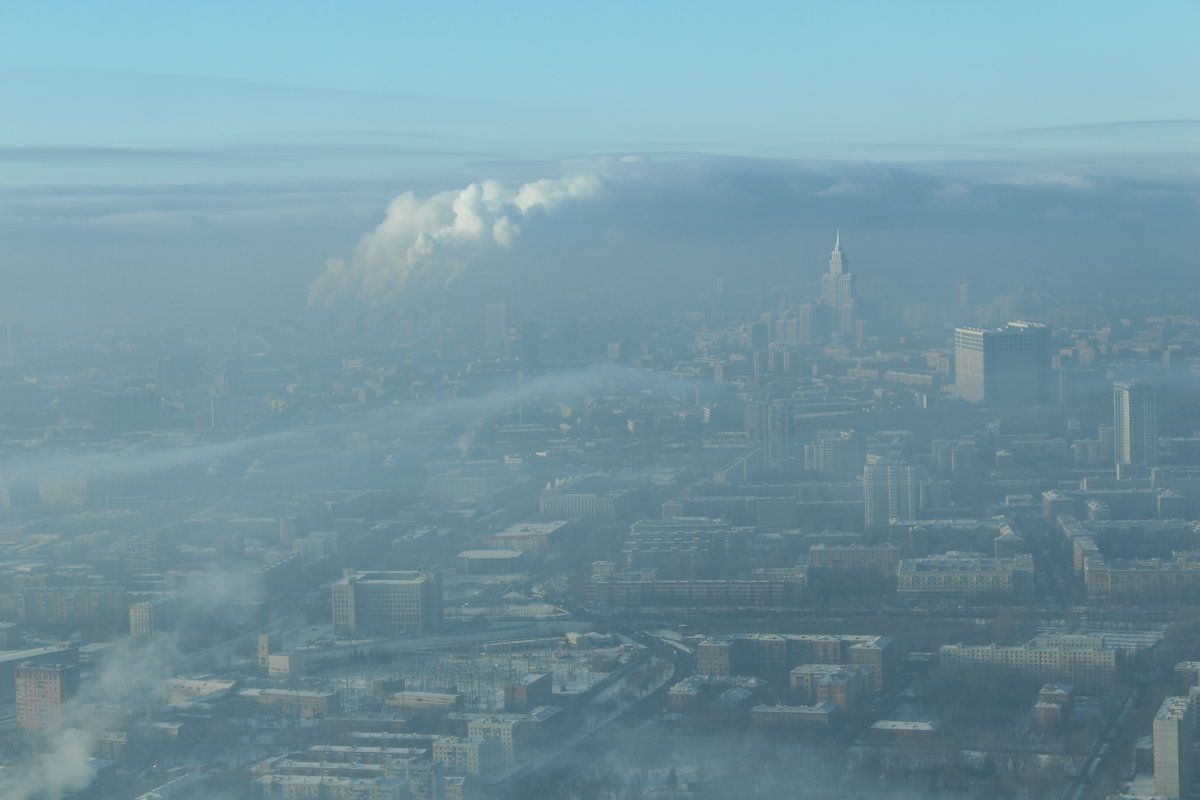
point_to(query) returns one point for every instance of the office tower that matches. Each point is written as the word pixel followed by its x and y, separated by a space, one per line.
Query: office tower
pixel 837 287
pixel 890 491
pixel 41 691
pixel 804 325
pixel 1173 760
pixel 1008 366
pixel 762 365
pixel 495 330
pixel 388 603
pixel 1135 420
pixel 528 345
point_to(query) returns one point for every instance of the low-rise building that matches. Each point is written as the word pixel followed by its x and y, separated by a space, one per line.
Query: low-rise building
pixel 533 689
pixel 462 756
pixel 892 731
pixel 966 574
pixel 531 537
pixel 303 704
pixel 878 559
pixel 790 719
pixel 491 562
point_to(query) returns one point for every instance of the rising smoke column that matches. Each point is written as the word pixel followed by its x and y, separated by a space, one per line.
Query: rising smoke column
pixel 428 242
pixel 131 675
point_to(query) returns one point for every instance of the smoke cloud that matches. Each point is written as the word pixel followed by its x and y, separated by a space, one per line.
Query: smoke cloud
pixel 395 424
pixel 131 676
pixel 428 242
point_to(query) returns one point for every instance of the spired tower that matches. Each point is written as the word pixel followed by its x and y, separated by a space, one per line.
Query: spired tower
pixel 837 287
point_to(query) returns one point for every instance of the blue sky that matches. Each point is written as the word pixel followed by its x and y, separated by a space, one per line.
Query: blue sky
pixel 472 81
pixel 172 158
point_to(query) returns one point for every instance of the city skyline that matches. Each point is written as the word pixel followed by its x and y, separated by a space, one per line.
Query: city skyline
pixel 673 401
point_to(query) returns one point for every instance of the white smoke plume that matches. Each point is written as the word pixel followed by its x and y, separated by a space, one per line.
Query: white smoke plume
pixel 132 675
pixel 428 242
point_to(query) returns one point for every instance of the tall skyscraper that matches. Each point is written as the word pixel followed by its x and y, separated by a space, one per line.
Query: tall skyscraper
pixel 1008 366
pixel 890 491
pixel 837 287
pixel 41 691
pixel 1135 420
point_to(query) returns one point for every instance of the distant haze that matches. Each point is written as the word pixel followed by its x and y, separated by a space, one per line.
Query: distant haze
pixel 125 257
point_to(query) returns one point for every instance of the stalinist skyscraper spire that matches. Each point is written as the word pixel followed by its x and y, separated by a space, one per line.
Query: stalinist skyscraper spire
pixel 837 287
pixel 836 266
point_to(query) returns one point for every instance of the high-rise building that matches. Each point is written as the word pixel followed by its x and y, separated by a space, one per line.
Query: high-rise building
pixel 528 346
pixel 1135 420
pixel 1174 729
pixel 837 287
pixel 149 617
pixel 890 491
pixel 495 330
pixel 769 425
pixel 1008 366
pixel 388 603
pixel 12 344
pixel 836 454
pixel 41 691
pixel 759 336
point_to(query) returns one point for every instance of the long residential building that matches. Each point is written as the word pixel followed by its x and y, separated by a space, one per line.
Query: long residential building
pixel 1094 667
pixel 967 574
pixel 618 592
pixel 774 655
